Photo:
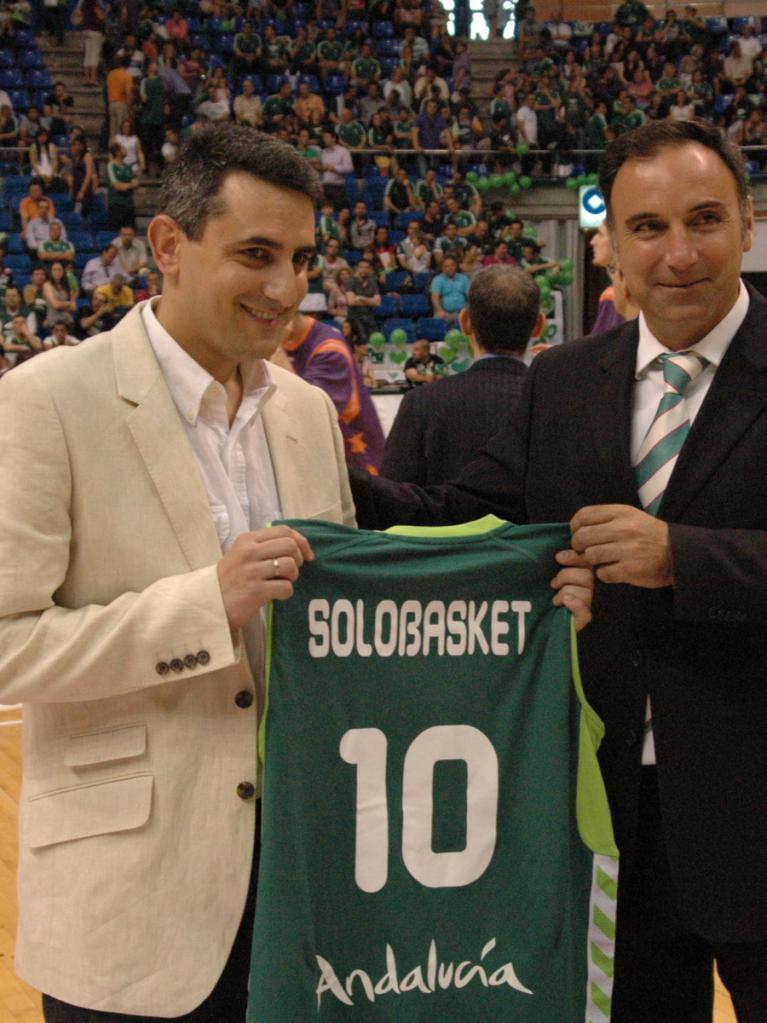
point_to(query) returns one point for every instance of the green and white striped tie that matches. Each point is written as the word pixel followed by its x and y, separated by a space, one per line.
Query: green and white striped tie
pixel 668 431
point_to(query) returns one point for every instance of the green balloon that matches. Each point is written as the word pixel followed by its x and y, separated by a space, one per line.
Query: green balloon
pixel 544 279
pixel 582 179
pixel 525 182
pixel 496 180
pixel 483 184
pixel 398 336
pixel 565 278
pixel 509 178
pixel 472 176
pixel 566 264
pixel 572 184
pixel 522 148
pixel 453 337
pixel 515 189
pixel 376 339
pixel 547 302
pixel 592 179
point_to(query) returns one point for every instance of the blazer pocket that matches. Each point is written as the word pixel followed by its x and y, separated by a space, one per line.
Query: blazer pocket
pixel 100 808
pixel 105 746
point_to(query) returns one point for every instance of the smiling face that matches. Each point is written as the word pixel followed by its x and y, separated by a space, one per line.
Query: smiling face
pixel 679 235
pixel 228 297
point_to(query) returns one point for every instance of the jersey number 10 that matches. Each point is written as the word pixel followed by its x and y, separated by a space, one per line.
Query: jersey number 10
pixel 367 748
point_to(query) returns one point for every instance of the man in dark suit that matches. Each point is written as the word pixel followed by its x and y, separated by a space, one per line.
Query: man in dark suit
pixel 680 604
pixel 439 429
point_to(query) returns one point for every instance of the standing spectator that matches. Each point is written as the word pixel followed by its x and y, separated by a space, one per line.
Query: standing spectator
pixel 430 131
pixel 364 363
pixel 336 163
pixel 737 68
pixel 438 430
pixel 120 90
pixel 54 13
pixel 423 367
pixel 151 116
pixel 527 129
pixel 449 290
pixel 81 176
pixel 127 138
pixel 94 16
pixel 362 297
pixel 121 184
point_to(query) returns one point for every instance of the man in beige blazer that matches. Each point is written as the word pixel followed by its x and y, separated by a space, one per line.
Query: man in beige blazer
pixel 138 473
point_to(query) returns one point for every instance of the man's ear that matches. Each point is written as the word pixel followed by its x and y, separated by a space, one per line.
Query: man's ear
pixel 464 322
pixel 166 239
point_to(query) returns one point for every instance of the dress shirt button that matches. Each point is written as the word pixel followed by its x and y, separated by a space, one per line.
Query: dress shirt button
pixel 203 657
pixel 190 661
pixel 177 664
pixel 162 667
pixel 637 658
pixel 244 699
pixel 246 790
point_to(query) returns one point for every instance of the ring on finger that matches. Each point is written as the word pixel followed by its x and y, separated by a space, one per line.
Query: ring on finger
pixel 276 568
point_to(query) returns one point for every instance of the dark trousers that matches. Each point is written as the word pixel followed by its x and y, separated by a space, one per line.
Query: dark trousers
pixel 663 969
pixel 227 1002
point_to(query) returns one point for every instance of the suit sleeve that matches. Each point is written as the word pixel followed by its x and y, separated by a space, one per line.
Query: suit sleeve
pixel 491 484
pixel 348 517
pixel 404 455
pixel 53 653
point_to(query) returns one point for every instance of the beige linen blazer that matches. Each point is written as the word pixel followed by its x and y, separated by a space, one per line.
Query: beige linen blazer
pixel 135 848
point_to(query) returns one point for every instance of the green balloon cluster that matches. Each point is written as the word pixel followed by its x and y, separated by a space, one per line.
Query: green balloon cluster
pixel 398 336
pixel 472 176
pixel 525 182
pixel 454 337
pixel 483 184
pixel 377 339
pixel 572 184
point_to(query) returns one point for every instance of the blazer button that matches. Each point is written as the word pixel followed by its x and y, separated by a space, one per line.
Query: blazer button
pixel 162 667
pixel 177 664
pixel 203 657
pixel 244 699
pixel 246 790
pixel 190 661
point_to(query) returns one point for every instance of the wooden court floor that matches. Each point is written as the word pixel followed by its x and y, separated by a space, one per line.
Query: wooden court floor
pixel 19 1003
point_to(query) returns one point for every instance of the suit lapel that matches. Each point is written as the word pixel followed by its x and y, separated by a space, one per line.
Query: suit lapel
pixel 159 435
pixel 610 410
pixel 284 448
pixel 738 396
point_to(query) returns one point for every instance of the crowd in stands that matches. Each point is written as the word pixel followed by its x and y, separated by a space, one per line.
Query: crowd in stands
pixel 378 95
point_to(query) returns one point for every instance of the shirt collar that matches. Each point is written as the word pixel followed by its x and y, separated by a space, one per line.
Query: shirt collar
pixel 189 384
pixel 712 347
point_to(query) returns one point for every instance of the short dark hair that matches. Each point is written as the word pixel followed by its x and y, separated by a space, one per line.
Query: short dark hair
pixel 503 305
pixel 191 184
pixel 645 142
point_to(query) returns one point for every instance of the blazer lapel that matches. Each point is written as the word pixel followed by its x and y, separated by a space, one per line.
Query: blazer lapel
pixel 159 435
pixel 738 395
pixel 284 448
pixel 610 409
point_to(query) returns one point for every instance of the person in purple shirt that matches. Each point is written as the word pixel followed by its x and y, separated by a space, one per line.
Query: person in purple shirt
pixel 321 355
pixel 430 131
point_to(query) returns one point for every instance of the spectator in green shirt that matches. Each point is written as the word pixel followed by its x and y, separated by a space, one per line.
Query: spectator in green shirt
pixel 246 52
pixel 56 247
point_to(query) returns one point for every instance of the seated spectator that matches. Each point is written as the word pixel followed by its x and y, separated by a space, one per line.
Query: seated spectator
pixel 121 184
pixel 641 88
pixel 328 226
pixel 463 219
pixel 278 107
pixel 29 207
pixel 274 57
pixel 60 335
pixel 413 254
pixel 330 52
pixel 38 230
pixel 398 83
pixel 336 289
pixel 211 107
pixel 449 290
pixel 737 67
pixel 60 293
pixel 682 109
pixel 631 12
pixel 307 149
pixel 416 44
pixel 34 299
pixel 99 269
pixel 423 367
pixel 303 54
pixel 169 149
pixel 44 160
pixel 132 259
pixel 246 52
pixel 384 250
pixel 361 228
pixel 331 261
pixel 55 247
pixel 465 192
pixel 336 162
pixel 20 342
pixel 97 318
pixel 362 296
pixel 426 85
pixel 306 103
pixel 470 262
pixel 428 188
pixel 399 196
pixel 118 295
pixel 60 105
pixel 500 255
pixel 13 306
pixel 669 84
pixel 432 223
pixel 365 68
pixel 534 262
pixel 481 237
pixel 701 93
pixel 749 42
pixel 150 286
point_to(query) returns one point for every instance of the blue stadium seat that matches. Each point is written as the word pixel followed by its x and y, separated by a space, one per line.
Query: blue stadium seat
pixel 379 217
pixel 6 222
pixel 7 59
pixel 103 238
pixel 395 237
pixel 415 305
pixel 387 48
pixel 374 190
pixel 335 85
pixel 312 80
pixel 403 219
pixel 201 39
pixel 722 103
pixel 388 64
pixel 352 256
pixel 258 85
pixel 82 240
pixel 716 26
pixel 383 30
pixel 20 100
pixel 16 261
pixel 402 323
pixel 82 257
pixel 432 328
pixel 422 280
pixel 39 78
pixel 387 308
pixel 30 59
pixel 396 279
pixel 11 78
pixel 14 242
pixel 24 39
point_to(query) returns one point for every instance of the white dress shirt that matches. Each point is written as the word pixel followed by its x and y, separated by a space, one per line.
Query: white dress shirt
pixel 234 461
pixel 648 392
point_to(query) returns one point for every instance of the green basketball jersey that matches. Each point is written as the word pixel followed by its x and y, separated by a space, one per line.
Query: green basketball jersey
pixel 436 843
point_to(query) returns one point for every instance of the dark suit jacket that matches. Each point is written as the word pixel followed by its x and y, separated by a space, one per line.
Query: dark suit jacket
pixel 699 649
pixel 440 427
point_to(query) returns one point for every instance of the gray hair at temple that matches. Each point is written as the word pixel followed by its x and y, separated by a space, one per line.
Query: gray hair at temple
pixel 503 306
pixel 191 185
